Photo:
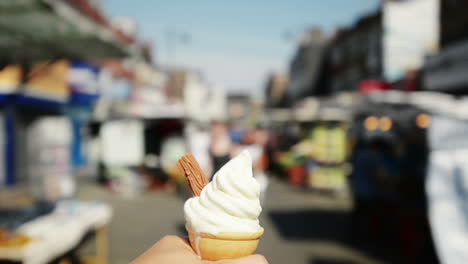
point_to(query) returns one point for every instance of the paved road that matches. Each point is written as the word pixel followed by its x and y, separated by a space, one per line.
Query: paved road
pixel 300 227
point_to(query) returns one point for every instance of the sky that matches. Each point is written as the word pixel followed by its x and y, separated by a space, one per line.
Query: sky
pixel 234 44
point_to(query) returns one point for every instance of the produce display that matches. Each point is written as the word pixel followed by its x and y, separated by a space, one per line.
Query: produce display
pixel 318 160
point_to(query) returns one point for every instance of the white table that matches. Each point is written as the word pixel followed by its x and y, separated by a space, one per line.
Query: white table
pixel 60 231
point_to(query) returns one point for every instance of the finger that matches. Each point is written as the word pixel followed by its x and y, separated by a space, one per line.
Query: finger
pixel 253 259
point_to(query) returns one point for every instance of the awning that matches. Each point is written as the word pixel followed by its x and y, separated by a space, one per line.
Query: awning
pixel 49 29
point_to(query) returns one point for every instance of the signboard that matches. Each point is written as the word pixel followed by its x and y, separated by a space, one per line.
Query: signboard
pixel 49 81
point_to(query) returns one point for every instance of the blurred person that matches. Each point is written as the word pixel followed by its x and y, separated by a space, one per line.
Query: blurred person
pixel 262 163
pixel 221 145
pixel 247 139
pixel 368 172
pixel 236 133
pixel 175 250
pixel 256 143
pixel 199 142
pixel 363 186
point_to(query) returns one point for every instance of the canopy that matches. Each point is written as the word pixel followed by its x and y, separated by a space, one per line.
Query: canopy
pixel 48 29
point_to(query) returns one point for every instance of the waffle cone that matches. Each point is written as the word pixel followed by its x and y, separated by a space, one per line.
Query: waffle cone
pixel 224 245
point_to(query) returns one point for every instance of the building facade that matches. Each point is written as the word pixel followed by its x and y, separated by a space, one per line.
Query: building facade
pixel 446 71
pixel 355 54
pixel 306 68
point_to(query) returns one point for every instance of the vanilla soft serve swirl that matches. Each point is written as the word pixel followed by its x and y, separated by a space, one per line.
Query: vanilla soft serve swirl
pixel 229 203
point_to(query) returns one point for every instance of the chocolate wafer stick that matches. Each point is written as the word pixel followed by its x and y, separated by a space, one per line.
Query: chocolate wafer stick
pixel 196 178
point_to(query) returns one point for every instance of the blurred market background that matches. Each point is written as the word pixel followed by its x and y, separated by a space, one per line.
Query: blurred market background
pixel 355 113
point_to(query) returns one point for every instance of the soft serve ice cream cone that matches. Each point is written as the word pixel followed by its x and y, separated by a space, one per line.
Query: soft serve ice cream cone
pixel 222 221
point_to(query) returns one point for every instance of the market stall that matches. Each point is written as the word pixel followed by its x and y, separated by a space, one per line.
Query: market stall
pixel 47 92
pixel 317 133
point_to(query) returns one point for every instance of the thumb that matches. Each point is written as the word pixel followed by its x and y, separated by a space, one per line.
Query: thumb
pixel 253 259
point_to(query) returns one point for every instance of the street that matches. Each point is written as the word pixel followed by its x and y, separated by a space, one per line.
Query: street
pixel 301 227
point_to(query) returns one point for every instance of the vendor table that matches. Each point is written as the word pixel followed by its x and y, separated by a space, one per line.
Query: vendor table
pixel 61 231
